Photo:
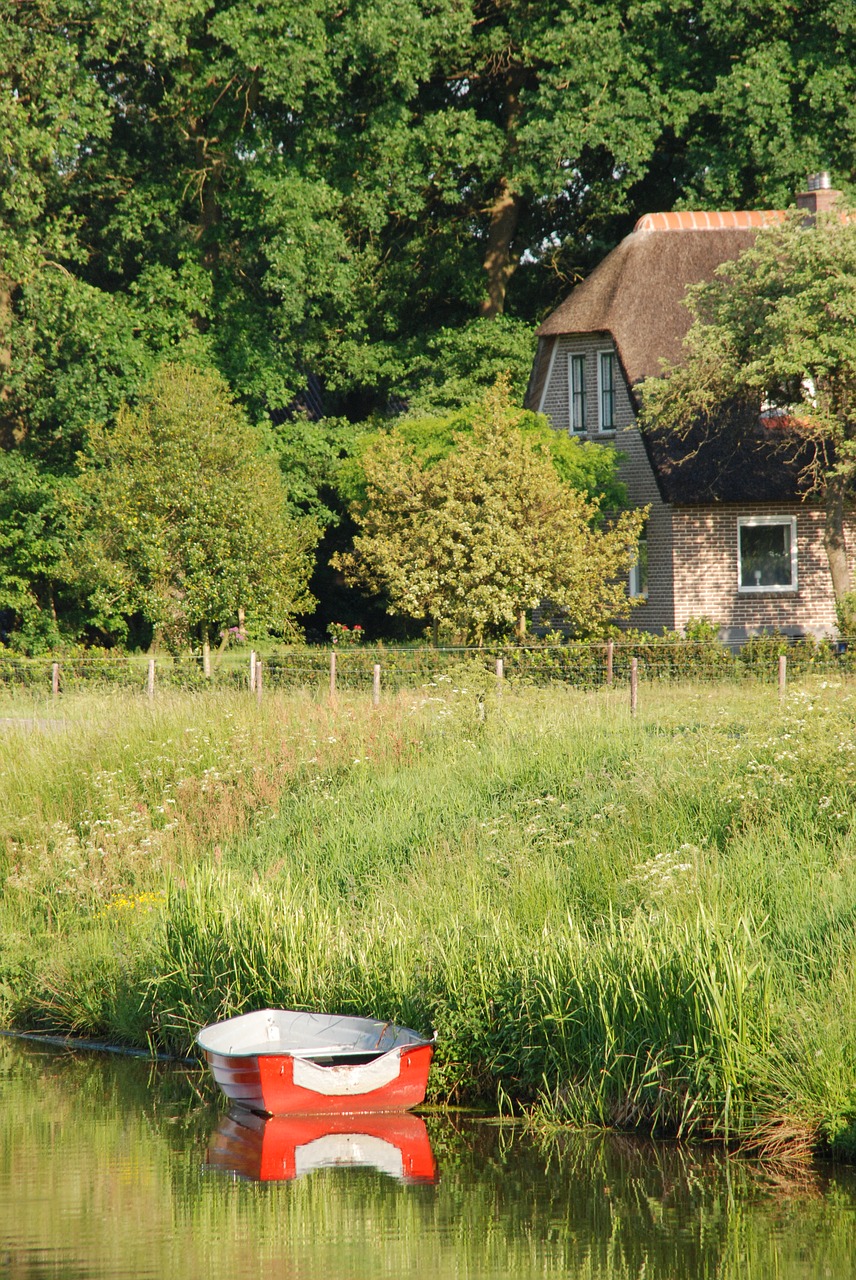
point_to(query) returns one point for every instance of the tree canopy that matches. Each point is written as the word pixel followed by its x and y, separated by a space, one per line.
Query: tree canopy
pixel 181 517
pixel 475 537
pixel 588 467
pixel 327 189
pixel 777 326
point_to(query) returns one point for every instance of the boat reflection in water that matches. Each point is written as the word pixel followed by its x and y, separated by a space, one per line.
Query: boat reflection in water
pixel 279 1148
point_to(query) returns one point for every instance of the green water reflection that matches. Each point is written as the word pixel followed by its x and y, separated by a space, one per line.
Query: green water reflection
pixel 103 1173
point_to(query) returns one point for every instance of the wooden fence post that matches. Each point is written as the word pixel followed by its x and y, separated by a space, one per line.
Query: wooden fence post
pixel 333 673
pixel 259 669
pixel 500 675
pixel 55 680
pixel 150 679
pixel 206 659
pixel 252 671
pixel 783 675
pixel 376 685
pixel 634 685
pixel 610 649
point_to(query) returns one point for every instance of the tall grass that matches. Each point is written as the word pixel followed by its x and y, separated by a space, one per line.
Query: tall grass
pixel 645 923
pixel 663 1026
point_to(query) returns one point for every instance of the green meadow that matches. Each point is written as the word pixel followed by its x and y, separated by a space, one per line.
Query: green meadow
pixel 646 923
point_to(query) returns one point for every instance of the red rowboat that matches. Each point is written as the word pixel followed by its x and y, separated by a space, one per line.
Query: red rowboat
pixel 279 1148
pixel 284 1062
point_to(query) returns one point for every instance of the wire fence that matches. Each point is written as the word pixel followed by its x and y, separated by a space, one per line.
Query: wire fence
pixel 363 668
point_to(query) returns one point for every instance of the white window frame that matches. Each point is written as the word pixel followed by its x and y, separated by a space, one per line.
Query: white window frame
pixel 749 522
pixel 576 359
pixel 636 588
pixel 600 389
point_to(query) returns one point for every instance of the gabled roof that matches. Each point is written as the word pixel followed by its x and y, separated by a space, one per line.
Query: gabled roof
pixel 637 292
pixel 637 295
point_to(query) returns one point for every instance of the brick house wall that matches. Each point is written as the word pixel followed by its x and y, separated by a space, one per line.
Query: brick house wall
pixel 706 572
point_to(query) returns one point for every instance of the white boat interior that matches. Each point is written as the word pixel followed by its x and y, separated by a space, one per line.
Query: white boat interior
pixel 316 1036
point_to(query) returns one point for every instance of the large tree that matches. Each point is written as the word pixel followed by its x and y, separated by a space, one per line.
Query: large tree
pixel 181 516
pixel 474 539
pixel 778 327
pixel 288 188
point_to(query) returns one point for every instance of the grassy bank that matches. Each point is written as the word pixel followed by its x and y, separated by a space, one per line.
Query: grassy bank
pixel 646 923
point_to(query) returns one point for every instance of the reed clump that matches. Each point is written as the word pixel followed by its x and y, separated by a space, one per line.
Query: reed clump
pixel 645 923
pixel 661 1025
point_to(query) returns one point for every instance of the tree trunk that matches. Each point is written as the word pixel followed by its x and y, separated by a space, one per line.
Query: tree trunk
pixel 7 432
pixel 833 535
pixel 208 176
pixel 211 172
pixel 520 627
pixel 499 263
pixel 5 330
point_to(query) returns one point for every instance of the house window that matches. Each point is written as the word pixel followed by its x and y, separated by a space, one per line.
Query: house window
pixel 577 391
pixel 639 572
pixel 767 553
pixel 606 390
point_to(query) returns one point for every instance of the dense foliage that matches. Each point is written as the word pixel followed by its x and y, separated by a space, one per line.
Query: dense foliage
pixel 356 207
pixel 325 188
pixel 182 518
pixel 581 464
pixel 474 533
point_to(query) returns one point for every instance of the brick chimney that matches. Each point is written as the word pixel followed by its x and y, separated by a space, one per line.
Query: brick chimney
pixel 820 196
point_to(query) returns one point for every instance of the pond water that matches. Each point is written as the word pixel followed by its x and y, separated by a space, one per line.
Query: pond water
pixel 114 1167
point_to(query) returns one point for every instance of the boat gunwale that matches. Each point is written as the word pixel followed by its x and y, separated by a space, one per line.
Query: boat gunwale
pixel 281 1049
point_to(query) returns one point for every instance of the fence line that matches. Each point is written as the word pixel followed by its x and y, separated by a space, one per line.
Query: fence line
pixel 582 665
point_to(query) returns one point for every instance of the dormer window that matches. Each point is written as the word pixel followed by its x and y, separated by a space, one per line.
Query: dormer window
pixel 577 392
pixel 606 390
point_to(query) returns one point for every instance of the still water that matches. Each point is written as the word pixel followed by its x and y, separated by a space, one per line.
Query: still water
pixel 112 1167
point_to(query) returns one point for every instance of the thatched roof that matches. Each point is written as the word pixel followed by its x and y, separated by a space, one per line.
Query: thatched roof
pixel 637 292
pixel 637 295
